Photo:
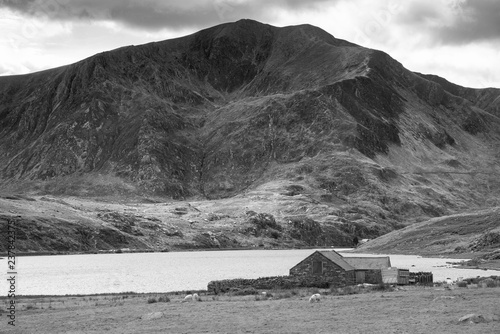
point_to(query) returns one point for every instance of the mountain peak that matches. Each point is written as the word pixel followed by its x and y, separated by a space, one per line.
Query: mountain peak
pixel 243 104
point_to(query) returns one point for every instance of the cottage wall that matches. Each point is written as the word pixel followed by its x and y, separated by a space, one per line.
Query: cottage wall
pixel 373 276
pixel 336 275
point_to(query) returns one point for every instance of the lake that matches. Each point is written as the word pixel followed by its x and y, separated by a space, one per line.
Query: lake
pixel 162 272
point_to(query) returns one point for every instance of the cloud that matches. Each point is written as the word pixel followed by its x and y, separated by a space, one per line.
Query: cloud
pixel 14 68
pixel 476 21
pixel 431 36
pixel 157 14
pixel 454 22
pixel 4 70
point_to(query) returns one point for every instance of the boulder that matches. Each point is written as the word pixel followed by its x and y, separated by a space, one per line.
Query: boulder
pixel 152 316
pixel 472 318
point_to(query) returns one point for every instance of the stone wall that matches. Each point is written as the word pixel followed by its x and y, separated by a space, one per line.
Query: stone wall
pixel 268 283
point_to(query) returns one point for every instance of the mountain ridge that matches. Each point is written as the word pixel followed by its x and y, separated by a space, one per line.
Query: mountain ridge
pixel 245 108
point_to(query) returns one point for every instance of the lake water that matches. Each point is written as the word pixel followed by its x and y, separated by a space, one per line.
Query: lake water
pixel 162 272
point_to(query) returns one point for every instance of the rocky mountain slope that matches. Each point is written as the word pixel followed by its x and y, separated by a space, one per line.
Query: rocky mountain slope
pixel 470 232
pixel 332 139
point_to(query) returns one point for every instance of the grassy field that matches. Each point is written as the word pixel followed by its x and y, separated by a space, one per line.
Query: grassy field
pixel 405 310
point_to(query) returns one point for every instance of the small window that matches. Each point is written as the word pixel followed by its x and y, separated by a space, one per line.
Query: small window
pixel 318 267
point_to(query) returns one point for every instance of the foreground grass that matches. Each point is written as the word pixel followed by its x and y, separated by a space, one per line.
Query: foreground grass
pixel 407 310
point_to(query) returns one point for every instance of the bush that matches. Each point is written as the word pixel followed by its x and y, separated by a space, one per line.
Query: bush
pixel 164 299
pixel 489 283
pixel 263 221
pixel 462 284
pixel 152 300
pixel 274 234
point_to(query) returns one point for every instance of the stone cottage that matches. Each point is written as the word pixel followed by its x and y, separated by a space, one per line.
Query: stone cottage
pixel 340 270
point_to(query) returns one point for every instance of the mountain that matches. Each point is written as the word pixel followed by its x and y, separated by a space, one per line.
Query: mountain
pixel 333 139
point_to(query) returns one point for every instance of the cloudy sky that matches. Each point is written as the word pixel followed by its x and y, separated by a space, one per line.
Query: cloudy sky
pixel 456 39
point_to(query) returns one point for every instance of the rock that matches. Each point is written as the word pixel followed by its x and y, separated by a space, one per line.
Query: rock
pixel 472 318
pixel 152 316
pixel 443 297
pixel 491 317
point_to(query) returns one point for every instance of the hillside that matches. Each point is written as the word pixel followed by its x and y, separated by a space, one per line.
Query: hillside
pixel 474 235
pixel 477 231
pixel 332 139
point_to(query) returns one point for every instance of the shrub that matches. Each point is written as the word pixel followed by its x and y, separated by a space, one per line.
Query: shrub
pixel 489 283
pixel 473 280
pixel 274 234
pixel 263 221
pixel 462 284
pixel 164 299
pixel 152 300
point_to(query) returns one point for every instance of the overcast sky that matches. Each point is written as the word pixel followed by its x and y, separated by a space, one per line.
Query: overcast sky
pixel 456 39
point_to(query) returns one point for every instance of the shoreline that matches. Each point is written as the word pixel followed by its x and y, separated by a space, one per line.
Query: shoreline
pixel 352 250
pixel 122 251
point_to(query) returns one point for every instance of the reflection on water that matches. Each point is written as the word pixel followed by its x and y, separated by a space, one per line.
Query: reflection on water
pixel 161 272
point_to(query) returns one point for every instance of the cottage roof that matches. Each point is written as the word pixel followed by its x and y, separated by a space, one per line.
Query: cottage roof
pixel 337 259
pixel 367 263
pixel 353 263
